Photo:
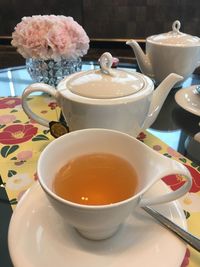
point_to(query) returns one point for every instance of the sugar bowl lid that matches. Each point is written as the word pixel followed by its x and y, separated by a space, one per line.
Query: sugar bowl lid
pixel 106 82
pixel 175 37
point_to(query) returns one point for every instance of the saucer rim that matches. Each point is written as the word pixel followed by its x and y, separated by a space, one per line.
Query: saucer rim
pixel 179 94
pixel 20 261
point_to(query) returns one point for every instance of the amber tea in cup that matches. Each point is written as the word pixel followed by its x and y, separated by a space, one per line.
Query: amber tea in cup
pixel 96 179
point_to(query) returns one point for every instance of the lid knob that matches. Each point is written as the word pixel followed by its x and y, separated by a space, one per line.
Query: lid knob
pixel 106 61
pixel 176 26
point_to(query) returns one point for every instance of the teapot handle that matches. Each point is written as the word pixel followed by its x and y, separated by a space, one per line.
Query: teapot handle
pixel 37 87
pixel 170 167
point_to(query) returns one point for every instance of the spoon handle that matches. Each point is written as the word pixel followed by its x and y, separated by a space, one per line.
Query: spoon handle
pixel 198 89
pixel 184 235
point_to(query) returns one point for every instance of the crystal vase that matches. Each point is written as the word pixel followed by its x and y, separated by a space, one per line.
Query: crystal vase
pixel 51 72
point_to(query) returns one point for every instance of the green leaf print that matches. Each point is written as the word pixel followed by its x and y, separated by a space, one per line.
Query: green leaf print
pixel 167 155
pixel 187 214
pixel 183 160
pixel 7 150
pixel 11 173
pixel 46 131
pixel 193 164
pixel 40 137
pixel 2 125
pixel 14 158
pixel 13 201
pixel 14 110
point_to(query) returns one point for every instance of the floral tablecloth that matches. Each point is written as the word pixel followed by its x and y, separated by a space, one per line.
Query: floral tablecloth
pixel 22 140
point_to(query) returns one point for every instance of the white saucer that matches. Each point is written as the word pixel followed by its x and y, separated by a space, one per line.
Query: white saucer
pixel 38 238
pixel 189 100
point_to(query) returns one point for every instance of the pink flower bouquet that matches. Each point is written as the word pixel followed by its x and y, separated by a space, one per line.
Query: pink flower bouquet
pixel 50 37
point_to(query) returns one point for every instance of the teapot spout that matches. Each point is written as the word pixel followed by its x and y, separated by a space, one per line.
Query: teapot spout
pixel 142 59
pixel 159 97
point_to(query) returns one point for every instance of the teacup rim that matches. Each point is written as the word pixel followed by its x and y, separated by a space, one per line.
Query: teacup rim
pixel 77 205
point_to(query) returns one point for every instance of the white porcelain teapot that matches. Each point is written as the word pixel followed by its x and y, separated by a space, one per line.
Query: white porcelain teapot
pixel 169 52
pixel 105 98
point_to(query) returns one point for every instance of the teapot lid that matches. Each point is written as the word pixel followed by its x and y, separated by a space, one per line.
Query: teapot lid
pixel 106 82
pixel 175 37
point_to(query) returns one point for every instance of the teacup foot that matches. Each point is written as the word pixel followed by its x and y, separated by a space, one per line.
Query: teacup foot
pixel 98 235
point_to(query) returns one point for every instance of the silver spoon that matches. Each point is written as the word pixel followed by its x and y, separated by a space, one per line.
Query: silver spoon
pixel 197 89
pixel 184 235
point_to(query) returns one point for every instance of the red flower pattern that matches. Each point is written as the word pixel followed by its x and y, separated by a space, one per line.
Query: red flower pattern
pixel 18 133
pixel 35 176
pixel 141 136
pixel 157 147
pixel 10 102
pixel 176 181
pixel 52 105
pixel 186 258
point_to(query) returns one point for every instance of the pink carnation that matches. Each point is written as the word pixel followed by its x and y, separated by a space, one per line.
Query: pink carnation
pixel 50 37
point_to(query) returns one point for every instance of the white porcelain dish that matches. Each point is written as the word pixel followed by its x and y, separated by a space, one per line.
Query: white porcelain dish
pixel 189 99
pixel 37 238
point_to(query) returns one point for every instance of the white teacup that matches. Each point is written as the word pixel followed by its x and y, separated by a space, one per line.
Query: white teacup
pixel 102 221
